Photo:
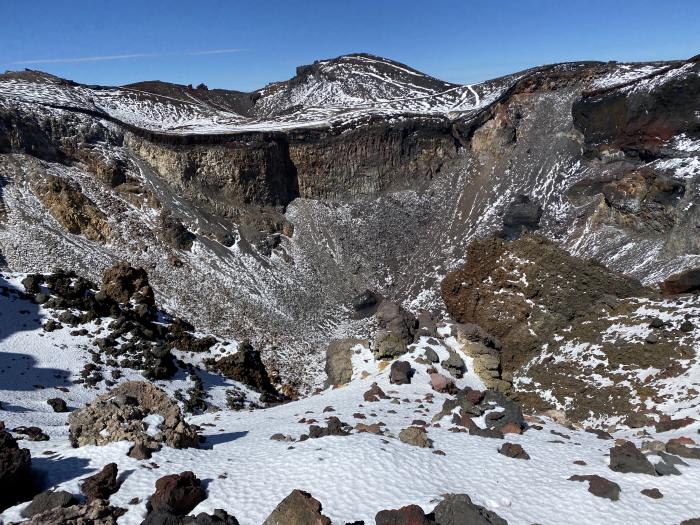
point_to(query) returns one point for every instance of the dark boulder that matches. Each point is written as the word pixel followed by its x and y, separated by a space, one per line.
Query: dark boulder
pixel 335 427
pixel 513 450
pixel 599 486
pixel 458 509
pixel 57 404
pixel 174 233
pixel 101 485
pixel 177 494
pixel 16 482
pixel 122 282
pixel 400 373
pixel 48 500
pixel 245 366
pixel 522 215
pixel 628 458
pixel 684 282
pixel 408 515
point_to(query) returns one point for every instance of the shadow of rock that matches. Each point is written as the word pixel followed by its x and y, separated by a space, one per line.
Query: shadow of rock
pixel 17 314
pixel 221 438
pixel 52 471
pixel 19 372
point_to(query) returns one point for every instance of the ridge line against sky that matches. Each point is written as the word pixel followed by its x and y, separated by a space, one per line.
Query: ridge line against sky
pixel 245 46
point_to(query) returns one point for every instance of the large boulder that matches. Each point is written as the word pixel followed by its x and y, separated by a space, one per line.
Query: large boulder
pixel 122 282
pixel 339 361
pixel 684 282
pixel 400 373
pixel 408 515
pixel 458 509
pixel 397 329
pixel 101 485
pixel 174 233
pixel 245 366
pixel 416 436
pixel 177 494
pixel 626 457
pixel 299 508
pixel 133 411
pixel 98 512
pixel 599 486
pixel 522 215
pixel 48 500
pixel 16 482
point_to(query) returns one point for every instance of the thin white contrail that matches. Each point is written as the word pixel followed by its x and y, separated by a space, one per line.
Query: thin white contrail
pixel 102 58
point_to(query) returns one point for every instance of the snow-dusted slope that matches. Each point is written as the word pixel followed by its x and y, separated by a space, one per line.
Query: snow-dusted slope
pixel 331 91
pixel 354 476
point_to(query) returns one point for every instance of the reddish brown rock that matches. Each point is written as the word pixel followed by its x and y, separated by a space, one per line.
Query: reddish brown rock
pixel 101 485
pixel 408 515
pixel 684 282
pixel 177 494
pixel 122 282
pixel 299 508
pixel 667 424
pixel 599 486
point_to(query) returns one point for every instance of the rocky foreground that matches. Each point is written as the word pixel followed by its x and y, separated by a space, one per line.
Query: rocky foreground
pixel 128 415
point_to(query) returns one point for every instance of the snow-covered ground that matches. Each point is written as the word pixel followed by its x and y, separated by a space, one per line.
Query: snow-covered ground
pixel 353 476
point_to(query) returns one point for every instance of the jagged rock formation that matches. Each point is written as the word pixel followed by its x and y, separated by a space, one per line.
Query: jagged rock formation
pixel 276 208
pixel 567 333
pixel 135 411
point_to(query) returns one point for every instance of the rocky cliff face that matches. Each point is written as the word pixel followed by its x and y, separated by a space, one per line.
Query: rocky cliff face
pixel 359 173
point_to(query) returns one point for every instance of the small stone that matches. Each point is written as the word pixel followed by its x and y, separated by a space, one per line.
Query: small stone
pixel 57 404
pixel 656 323
pixel 416 436
pixel 599 486
pixel 687 326
pixel 652 493
pixel 513 450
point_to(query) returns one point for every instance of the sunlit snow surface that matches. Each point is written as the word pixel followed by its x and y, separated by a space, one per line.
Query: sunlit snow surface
pixel 354 476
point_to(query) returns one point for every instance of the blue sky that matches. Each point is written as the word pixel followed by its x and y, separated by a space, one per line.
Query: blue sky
pixel 245 45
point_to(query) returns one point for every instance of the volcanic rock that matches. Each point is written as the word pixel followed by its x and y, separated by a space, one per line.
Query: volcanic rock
pixel 599 486
pixel 101 485
pixel 16 482
pixel 416 436
pixel 122 282
pixel 458 509
pixel 48 500
pixel 628 458
pixel 177 494
pixel 119 415
pixel 408 515
pixel 339 361
pixel 299 508
pixel 400 373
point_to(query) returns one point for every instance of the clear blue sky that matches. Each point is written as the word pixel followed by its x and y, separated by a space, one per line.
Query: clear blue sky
pixel 247 44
